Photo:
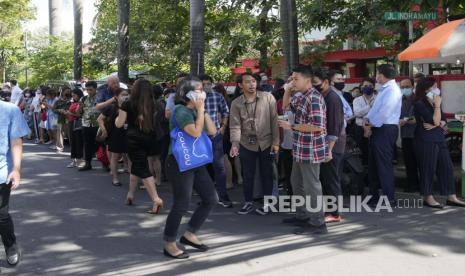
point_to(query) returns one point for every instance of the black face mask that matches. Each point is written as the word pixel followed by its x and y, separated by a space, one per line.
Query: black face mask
pixel 367 90
pixel 318 87
pixel 339 85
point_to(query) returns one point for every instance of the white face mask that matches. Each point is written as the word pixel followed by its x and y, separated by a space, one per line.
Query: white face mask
pixel 436 91
pixel 124 98
pixel 192 95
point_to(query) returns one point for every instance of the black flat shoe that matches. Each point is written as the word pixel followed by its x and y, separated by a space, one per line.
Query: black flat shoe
pixel 435 206
pixel 451 203
pixel 200 247
pixel 183 255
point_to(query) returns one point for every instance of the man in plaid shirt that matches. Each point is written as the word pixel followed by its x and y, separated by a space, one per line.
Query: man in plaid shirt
pixel 215 106
pixel 309 149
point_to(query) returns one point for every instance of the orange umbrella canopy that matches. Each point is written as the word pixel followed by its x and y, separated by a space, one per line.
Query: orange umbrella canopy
pixel 445 43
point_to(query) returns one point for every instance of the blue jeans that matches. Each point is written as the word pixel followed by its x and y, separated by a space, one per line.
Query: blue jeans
pixel 218 166
pixel 249 161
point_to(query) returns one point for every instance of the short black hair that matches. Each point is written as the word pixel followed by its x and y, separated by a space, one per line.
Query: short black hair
pixel 322 74
pixel 92 84
pixel 333 73
pixel 13 82
pixel 182 75
pixel 305 70
pixel 241 77
pixel 206 77
pixel 157 91
pixel 78 92
pixel 419 75
pixel 411 81
pixel 387 70
pixel 368 79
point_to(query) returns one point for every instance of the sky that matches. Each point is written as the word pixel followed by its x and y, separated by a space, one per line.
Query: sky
pixel 41 20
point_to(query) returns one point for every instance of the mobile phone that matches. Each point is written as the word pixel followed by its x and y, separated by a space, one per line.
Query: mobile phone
pixel 10 184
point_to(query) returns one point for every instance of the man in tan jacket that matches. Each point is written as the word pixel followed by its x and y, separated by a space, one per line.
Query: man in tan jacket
pixel 254 134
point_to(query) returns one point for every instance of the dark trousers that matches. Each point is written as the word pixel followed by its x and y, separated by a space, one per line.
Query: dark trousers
pixel 248 162
pixel 218 166
pixel 330 177
pixel 434 159
pixel 410 160
pixel 7 230
pixel 381 155
pixel 285 162
pixel 362 143
pixel 77 145
pixel 182 184
pixel 90 144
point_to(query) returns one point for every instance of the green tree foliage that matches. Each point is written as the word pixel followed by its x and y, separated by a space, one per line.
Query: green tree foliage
pixel 11 36
pixel 52 62
pixel 159 34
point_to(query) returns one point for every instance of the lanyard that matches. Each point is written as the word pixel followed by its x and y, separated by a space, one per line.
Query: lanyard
pixel 252 120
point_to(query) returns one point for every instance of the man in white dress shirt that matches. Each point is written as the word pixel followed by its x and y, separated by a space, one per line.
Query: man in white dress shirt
pixel 383 120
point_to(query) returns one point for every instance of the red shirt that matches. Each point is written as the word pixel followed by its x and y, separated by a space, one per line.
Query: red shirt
pixel 72 109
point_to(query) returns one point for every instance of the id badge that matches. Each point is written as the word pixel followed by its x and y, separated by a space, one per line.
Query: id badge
pixel 252 139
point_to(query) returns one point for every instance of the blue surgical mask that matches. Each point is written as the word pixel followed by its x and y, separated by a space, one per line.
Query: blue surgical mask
pixel 406 91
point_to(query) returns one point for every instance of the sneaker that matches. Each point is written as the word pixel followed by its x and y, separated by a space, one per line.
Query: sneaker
pixel 247 208
pixel 311 229
pixel 49 142
pixel 261 211
pixel 12 255
pixel 72 164
pixel 80 163
pixel 332 219
pixel 53 147
pixel 225 203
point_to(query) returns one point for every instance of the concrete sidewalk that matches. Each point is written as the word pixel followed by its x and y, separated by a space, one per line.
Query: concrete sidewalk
pixel 72 223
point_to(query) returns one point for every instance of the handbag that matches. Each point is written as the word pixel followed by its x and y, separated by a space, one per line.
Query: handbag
pixel 190 152
pixel 102 156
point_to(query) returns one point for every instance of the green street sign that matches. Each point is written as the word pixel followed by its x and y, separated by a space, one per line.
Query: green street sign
pixel 400 16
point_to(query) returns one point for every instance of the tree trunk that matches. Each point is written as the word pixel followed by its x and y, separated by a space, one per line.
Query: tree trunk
pixel 293 35
pixel 284 16
pixel 264 32
pixel 123 40
pixel 54 17
pixel 197 39
pixel 77 7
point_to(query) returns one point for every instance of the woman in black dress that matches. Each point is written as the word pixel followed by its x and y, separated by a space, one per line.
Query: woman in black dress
pixel 141 138
pixel 433 155
pixel 115 137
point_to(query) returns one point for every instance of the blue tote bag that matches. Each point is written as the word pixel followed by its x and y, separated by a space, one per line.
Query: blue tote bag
pixel 190 152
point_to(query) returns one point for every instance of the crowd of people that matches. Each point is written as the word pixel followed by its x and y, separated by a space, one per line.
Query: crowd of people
pixel 288 139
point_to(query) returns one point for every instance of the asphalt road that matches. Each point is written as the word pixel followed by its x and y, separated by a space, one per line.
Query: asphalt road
pixel 76 223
